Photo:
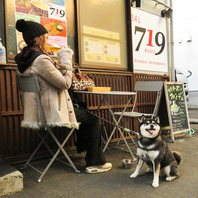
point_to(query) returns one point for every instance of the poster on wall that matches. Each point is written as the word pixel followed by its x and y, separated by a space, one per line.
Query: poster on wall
pixel 93 49
pixel 50 13
pixel 149 41
pixel 101 45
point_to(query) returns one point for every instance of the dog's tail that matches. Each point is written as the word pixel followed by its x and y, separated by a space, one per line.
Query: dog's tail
pixel 177 156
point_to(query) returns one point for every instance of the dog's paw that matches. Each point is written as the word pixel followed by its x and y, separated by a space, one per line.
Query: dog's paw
pixel 155 184
pixel 170 178
pixel 134 175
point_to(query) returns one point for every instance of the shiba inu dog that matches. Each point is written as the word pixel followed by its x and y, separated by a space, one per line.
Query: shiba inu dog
pixel 154 151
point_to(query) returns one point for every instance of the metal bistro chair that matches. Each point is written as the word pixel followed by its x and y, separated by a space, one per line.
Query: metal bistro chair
pixel 30 84
pixel 143 86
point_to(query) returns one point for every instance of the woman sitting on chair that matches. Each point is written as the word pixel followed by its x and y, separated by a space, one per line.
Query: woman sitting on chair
pixel 54 82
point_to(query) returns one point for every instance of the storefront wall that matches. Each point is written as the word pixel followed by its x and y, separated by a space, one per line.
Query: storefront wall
pixel 17 143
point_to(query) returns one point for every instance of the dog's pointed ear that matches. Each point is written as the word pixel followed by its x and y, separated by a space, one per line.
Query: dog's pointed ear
pixel 141 119
pixel 157 119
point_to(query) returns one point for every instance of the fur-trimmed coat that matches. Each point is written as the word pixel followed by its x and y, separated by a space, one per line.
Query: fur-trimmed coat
pixel 56 102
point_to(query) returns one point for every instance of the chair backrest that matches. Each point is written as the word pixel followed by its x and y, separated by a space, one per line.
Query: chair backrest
pixel 30 84
pixel 151 86
pixel 148 85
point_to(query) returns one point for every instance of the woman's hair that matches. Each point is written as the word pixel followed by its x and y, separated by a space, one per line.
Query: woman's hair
pixel 39 45
pixel 44 49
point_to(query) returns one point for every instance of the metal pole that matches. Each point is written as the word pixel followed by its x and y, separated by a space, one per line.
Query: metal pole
pixel 172 46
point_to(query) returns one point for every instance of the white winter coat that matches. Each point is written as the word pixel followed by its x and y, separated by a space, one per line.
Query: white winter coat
pixel 56 102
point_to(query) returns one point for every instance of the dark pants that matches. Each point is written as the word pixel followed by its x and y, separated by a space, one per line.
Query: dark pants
pixel 89 138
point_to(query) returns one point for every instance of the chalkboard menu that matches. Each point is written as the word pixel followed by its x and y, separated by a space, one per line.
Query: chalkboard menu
pixel 176 107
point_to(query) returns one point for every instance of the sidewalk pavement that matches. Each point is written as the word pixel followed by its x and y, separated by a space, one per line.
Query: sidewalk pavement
pixel 62 181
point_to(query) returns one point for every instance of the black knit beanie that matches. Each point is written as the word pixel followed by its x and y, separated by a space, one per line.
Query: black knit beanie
pixel 30 29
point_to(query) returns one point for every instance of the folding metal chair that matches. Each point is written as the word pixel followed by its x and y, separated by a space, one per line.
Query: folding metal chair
pixel 30 84
pixel 144 86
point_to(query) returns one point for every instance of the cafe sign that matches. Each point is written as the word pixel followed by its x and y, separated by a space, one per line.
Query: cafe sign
pixel 149 41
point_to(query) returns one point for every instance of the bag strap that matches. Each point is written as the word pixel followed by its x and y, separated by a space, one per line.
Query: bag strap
pixel 77 67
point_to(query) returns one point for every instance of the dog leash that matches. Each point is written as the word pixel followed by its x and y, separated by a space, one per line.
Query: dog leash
pixel 125 129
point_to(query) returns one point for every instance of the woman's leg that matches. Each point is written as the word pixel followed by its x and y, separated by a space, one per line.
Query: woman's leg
pixel 89 138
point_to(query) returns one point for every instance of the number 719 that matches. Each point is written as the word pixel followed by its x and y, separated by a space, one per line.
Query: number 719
pixel 158 34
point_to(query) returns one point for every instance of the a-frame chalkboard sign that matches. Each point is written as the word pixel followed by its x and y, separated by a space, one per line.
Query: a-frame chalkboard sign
pixel 173 109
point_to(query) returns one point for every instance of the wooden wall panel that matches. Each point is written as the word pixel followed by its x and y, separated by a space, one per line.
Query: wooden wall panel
pixel 17 143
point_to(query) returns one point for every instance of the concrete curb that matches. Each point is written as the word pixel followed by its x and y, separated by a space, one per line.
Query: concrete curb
pixel 11 180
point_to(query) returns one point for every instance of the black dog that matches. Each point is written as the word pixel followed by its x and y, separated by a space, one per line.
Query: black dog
pixel 154 151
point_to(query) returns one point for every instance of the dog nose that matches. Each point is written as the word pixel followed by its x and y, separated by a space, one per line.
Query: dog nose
pixel 152 126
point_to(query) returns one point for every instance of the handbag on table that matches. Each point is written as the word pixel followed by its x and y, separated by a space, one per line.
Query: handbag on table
pixel 80 81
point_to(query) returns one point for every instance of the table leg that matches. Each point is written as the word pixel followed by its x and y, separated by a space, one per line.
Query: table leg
pixel 104 97
pixel 117 122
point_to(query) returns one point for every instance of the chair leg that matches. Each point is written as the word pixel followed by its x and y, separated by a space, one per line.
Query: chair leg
pixel 129 136
pixel 107 143
pixel 57 152
pixel 120 136
pixel 46 145
pixel 125 125
pixel 37 148
pixel 116 122
pixel 134 159
pixel 62 149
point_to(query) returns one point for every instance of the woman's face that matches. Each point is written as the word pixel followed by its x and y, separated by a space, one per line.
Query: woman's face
pixel 43 42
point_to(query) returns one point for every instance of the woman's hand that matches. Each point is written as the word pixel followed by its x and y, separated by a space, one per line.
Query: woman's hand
pixel 65 50
pixel 65 55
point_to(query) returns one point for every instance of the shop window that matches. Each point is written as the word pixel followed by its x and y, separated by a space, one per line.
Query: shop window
pixel 102 33
pixel 2 23
pixel 106 18
pixel 12 44
pixel 17 9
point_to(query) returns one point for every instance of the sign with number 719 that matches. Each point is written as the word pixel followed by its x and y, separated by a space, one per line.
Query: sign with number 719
pixel 159 43
pixel 149 41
